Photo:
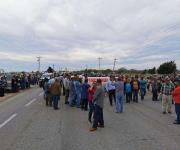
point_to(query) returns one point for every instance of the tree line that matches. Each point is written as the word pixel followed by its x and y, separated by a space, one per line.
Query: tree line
pixel 169 67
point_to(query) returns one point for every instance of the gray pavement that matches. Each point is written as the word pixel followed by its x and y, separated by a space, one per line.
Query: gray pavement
pixel 33 126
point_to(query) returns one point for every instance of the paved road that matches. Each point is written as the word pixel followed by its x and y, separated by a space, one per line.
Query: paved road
pixel 27 124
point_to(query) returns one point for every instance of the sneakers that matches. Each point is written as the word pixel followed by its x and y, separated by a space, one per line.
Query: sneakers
pixel 175 122
pixel 164 112
pixel 92 129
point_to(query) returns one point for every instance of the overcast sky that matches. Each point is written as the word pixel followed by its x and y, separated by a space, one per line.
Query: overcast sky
pixel 74 33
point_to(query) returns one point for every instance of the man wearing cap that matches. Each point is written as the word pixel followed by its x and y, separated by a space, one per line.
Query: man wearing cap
pixel 176 98
pixel 166 91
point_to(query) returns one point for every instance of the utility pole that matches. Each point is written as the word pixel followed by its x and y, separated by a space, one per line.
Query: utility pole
pixel 115 60
pixel 39 63
pixel 99 59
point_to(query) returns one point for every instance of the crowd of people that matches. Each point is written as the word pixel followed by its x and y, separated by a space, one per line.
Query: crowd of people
pixel 17 82
pixel 81 94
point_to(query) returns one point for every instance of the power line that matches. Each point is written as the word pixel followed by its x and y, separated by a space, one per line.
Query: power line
pixel 99 60
pixel 39 63
pixel 115 60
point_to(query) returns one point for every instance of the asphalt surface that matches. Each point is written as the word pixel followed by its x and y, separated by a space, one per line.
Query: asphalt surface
pixel 27 124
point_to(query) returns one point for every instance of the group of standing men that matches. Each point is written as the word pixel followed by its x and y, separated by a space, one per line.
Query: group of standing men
pixel 124 87
pixel 78 93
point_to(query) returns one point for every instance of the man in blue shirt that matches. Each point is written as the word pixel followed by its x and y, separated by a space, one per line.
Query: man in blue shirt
pixel 143 84
pixel 84 95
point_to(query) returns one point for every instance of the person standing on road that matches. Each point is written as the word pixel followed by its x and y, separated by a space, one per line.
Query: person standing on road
pixel 47 93
pixel 91 92
pixel 56 93
pixel 176 98
pixel 155 90
pixel 128 91
pixel 2 86
pixel 14 84
pixel 111 90
pixel 119 87
pixel 66 83
pixel 136 87
pixel 72 92
pixel 143 85
pixel 84 95
pixel 166 91
pixel 99 104
pixel 78 89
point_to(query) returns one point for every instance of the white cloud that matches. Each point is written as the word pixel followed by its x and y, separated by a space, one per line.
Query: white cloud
pixel 77 31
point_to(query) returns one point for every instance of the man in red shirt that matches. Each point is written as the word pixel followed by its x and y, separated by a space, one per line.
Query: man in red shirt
pixel 176 98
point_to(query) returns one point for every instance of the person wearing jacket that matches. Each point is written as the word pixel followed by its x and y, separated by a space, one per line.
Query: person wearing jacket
pixel 136 87
pixel 176 98
pixel 55 90
pixel 91 92
pixel 99 104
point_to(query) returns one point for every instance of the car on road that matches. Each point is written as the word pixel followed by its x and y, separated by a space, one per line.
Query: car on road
pixel 42 78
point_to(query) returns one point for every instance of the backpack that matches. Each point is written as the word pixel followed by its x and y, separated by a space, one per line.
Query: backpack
pixel 135 85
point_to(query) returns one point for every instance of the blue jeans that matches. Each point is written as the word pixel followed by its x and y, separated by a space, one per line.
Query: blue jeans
pixel 143 93
pixel 55 99
pixel 71 99
pixel 119 103
pixel 177 109
pixel 135 95
pixel 91 110
pixel 78 99
pixel 98 117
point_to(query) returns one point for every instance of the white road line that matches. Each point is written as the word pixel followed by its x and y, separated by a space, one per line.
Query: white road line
pixel 8 120
pixel 32 101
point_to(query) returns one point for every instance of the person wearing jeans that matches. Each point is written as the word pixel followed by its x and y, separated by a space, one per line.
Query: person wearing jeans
pixel 55 99
pixel 55 90
pixel 176 98
pixel 98 117
pixel 135 84
pixel 99 104
pixel 84 95
pixel 78 89
pixel 119 86
pixel 91 92
pixel 128 91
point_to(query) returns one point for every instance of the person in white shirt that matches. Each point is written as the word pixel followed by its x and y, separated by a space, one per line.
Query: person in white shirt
pixel 111 90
